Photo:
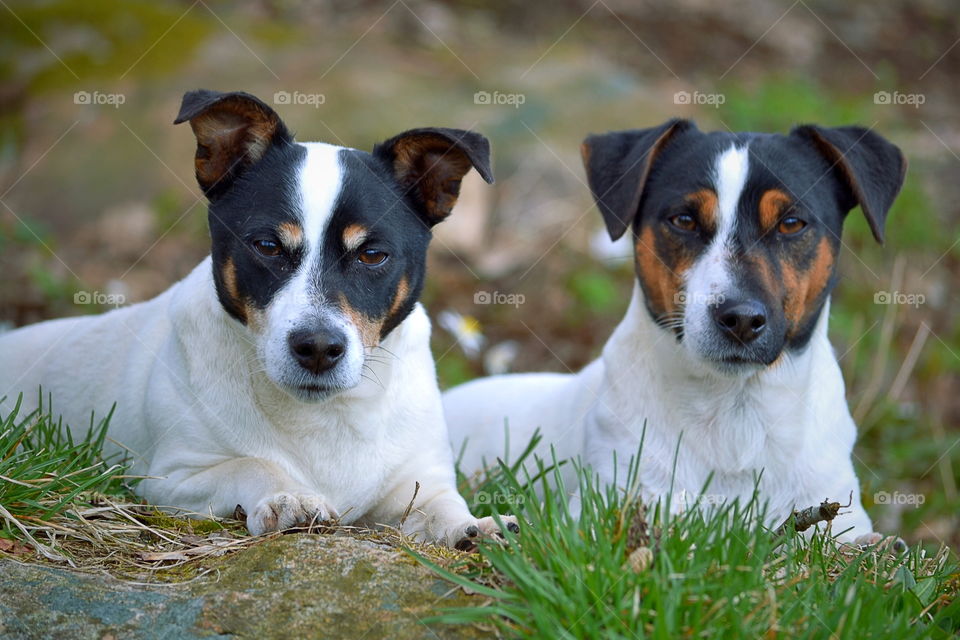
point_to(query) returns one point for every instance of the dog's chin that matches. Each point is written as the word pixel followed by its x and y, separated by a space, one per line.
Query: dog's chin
pixel 734 366
pixel 313 391
pixel 731 363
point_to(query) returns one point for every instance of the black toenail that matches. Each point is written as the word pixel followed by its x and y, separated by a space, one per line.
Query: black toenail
pixel 240 513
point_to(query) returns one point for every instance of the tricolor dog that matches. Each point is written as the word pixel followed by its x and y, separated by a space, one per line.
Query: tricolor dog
pixel 290 373
pixel 724 347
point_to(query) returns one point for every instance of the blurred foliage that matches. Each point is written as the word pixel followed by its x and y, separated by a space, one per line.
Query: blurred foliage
pixel 99 39
pixel 387 67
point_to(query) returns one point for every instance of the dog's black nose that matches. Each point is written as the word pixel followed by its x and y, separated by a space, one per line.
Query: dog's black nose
pixel 317 351
pixel 742 321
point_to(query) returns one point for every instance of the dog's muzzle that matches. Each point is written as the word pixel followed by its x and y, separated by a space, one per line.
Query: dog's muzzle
pixel 745 332
pixel 317 350
pixel 741 321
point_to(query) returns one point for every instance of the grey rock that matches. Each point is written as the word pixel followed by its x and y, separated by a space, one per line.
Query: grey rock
pixel 294 586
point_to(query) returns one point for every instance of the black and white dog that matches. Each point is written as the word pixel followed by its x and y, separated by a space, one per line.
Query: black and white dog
pixel 736 238
pixel 290 373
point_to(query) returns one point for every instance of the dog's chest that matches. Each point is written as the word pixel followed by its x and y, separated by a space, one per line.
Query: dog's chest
pixel 336 454
pixel 727 434
pixel 694 434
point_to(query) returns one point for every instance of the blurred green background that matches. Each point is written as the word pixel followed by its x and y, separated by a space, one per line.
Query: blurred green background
pixel 97 192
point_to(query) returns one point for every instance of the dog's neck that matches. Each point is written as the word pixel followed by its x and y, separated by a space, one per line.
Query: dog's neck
pixel 735 418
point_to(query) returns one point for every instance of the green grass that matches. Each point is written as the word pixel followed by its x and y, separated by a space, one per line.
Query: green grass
pixel 44 471
pixel 715 574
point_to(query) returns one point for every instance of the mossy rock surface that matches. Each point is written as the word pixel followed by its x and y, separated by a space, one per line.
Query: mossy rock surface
pixel 295 586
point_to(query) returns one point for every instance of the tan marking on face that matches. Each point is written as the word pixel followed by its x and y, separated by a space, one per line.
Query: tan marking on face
pixel 229 275
pixel 706 203
pixel 354 236
pixel 804 288
pixel 768 277
pixel 291 234
pixel 818 275
pixel 369 328
pixel 661 276
pixel 254 317
pixel 403 290
pixel 773 203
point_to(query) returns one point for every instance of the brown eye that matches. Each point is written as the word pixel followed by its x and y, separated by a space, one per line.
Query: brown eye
pixel 791 225
pixel 684 222
pixel 372 257
pixel 267 248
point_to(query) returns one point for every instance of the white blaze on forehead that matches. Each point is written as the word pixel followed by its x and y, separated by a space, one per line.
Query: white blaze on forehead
pixel 730 175
pixel 319 184
pixel 709 281
pixel 710 273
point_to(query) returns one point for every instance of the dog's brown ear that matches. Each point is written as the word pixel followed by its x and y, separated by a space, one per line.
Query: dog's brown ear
pixel 233 131
pixel 870 169
pixel 429 164
pixel 618 164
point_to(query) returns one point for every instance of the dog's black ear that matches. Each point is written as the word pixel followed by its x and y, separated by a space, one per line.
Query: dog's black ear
pixel 233 131
pixel 618 164
pixel 429 164
pixel 870 168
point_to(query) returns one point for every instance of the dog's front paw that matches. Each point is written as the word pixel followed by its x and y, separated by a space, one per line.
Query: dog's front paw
pixel 893 543
pixel 285 510
pixel 466 537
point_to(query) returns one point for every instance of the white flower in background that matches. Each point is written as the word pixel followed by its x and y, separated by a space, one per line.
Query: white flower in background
pixel 466 329
pixel 606 250
pixel 498 358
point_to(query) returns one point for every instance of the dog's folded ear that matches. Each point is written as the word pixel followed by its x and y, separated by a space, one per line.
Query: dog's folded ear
pixel 618 164
pixel 233 132
pixel 429 164
pixel 871 169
